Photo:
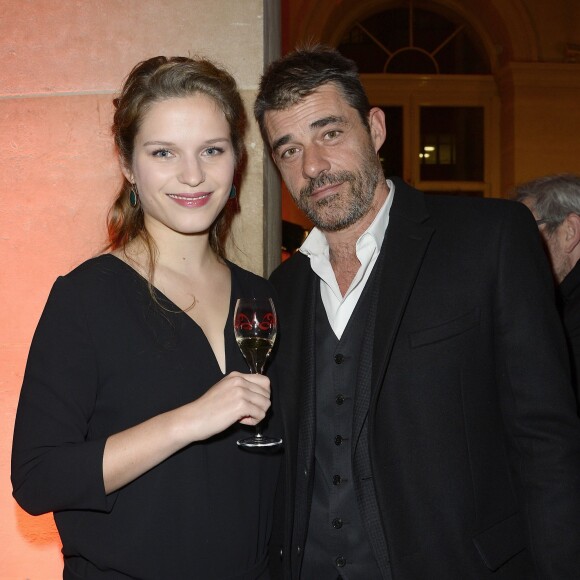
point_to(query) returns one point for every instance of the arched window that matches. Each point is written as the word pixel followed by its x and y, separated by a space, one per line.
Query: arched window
pixel 431 75
pixel 414 41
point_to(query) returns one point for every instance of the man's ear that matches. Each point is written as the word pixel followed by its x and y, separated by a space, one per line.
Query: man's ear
pixel 378 127
pixel 571 227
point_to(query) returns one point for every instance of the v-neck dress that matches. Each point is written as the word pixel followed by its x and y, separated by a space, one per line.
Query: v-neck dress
pixel 105 357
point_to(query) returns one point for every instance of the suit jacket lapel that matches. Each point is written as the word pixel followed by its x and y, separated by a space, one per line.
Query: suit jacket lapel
pixel 298 292
pixel 294 354
pixel 404 247
pixel 307 402
pixel 363 383
pixel 307 414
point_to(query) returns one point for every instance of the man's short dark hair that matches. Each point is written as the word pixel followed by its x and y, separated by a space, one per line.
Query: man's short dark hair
pixel 293 77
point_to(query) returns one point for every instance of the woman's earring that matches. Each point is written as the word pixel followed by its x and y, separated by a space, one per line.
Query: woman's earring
pixel 133 196
pixel 233 192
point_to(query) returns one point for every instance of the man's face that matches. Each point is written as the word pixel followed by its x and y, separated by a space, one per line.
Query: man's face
pixel 554 242
pixel 327 157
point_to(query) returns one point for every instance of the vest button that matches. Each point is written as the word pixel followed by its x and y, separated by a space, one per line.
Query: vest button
pixel 340 562
pixel 338 440
pixel 339 359
pixel 336 480
pixel 339 399
pixel 337 523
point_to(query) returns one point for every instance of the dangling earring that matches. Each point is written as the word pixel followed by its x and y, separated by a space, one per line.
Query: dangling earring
pixel 233 192
pixel 133 196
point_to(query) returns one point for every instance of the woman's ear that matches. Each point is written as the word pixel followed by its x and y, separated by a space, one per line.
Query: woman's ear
pixel 127 172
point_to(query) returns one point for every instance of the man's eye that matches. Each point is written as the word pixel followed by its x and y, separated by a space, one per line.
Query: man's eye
pixel 332 134
pixel 289 153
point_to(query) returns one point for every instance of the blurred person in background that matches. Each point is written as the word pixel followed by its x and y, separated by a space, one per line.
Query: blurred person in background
pixel 555 203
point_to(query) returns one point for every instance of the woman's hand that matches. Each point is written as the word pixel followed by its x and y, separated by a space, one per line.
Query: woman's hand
pixel 238 397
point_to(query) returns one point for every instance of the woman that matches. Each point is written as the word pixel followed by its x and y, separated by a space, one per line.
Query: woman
pixel 135 391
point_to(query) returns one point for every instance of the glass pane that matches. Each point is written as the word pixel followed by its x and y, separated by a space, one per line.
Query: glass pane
pixel 391 153
pixel 451 146
pixel 412 40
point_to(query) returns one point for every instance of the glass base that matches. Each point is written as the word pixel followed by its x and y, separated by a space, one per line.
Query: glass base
pixel 259 441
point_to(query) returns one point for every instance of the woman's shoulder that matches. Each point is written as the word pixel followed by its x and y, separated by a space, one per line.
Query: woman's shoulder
pixel 94 286
pixel 101 267
pixel 96 277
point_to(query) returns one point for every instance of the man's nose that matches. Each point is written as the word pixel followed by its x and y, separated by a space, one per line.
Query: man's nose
pixel 314 161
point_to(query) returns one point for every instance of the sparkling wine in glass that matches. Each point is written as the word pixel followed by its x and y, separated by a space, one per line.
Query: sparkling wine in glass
pixel 255 327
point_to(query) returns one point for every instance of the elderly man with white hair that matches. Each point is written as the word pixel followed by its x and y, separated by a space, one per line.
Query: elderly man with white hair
pixel 555 202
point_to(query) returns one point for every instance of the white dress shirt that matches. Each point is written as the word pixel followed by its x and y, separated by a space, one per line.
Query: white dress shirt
pixel 339 308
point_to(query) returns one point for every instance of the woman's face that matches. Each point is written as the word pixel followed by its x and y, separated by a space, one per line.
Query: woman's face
pixel 183 164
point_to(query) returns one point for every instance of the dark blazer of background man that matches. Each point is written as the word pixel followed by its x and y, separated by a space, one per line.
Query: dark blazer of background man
pixel 463 451
pixel 555 203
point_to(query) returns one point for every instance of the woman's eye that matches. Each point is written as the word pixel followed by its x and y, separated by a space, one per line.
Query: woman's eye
pixel 161 153
pixel 213 151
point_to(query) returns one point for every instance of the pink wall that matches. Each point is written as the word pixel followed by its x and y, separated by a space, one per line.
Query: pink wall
pixel 61 62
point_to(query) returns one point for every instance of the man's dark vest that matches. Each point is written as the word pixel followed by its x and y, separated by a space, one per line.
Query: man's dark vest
pixel 340 542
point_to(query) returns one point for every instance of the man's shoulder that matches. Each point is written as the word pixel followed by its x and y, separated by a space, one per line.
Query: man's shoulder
pixel 475 210
pixel 243 273
pixel 291 272
pixel 473 204
pixel 416 204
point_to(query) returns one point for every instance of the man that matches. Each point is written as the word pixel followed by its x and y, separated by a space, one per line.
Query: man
pixel 555 202
pixel 430 430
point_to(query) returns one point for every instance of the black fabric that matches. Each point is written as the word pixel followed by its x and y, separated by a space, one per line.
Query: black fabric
pixel 473 431
pixel 362 466
pixel 337 544
pixel 299 479
pixel 569 295
pixel 105 357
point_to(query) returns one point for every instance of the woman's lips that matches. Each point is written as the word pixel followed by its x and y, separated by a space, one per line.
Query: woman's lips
pixel 190 200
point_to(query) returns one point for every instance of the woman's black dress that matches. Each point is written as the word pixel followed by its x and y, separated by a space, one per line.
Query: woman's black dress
pixel 105 357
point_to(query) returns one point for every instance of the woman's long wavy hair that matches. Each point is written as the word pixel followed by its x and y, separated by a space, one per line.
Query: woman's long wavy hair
pixel 158 79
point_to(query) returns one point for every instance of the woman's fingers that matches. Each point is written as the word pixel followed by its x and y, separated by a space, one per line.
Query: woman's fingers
pixel 238 397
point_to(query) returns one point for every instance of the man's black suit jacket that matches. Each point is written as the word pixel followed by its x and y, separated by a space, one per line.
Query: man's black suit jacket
pixel 473 433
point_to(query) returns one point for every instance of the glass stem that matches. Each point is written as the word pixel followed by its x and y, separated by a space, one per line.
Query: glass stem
pixel 258 428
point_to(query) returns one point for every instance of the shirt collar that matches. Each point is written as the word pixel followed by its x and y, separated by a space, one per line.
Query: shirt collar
pixel 316 244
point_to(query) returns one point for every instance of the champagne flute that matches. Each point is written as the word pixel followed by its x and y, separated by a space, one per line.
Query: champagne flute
pixel 255 331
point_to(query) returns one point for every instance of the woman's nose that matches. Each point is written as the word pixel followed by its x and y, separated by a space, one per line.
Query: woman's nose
pixel 191 172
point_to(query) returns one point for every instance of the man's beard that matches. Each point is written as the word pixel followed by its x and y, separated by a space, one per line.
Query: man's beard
pixel 341 210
